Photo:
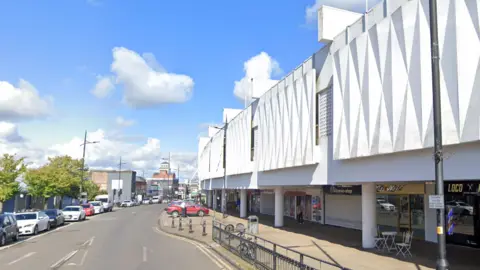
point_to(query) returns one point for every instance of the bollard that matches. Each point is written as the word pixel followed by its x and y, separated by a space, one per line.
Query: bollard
pixel 180 224
pixel 204 224
pixel 190 229
pixel 173 222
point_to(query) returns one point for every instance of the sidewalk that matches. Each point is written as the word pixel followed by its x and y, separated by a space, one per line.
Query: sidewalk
pixel 343 246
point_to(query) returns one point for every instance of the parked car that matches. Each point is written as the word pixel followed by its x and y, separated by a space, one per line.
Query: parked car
pixel 107 203
pixel 97 206
pixel 192 209
pixel 126 203
pixel 56 217
pixel 156 199
pixel 146 201
pixel 176 202
pixel 89 209
pixel 74 213
pixel 8 228
pixel 32 222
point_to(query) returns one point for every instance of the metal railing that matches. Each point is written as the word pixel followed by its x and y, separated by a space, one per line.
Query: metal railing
pixel 264 254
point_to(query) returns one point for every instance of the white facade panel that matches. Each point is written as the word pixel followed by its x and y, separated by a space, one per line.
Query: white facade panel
pixel 344 211
pixel 382 89
pixel 216 156
pixel 229 114
pixel 286 120
pixel 203 158
pixel 332 21
pixel 238 143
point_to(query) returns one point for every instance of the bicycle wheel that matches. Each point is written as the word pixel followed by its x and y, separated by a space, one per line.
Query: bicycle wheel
pixel 229 228
pixel 242 250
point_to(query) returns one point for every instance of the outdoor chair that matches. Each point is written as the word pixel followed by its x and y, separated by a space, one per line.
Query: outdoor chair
pixel 380 242
pixel 404 247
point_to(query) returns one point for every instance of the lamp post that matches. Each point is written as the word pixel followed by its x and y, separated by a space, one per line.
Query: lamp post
pixel 84 144
pixel 120 163
pixel 442 263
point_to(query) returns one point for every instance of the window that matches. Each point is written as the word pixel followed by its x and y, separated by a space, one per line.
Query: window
pixel 317 118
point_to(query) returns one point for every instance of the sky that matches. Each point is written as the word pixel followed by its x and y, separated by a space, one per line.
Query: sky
pixel 143 78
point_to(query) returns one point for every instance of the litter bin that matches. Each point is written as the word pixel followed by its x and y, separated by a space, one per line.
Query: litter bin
pixel 252 226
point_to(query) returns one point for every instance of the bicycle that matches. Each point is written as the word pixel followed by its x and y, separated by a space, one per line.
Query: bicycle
pixel 247 249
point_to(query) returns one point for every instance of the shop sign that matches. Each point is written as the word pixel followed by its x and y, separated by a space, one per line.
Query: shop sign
pixel 343 190
pixel 463 188
pixel 401 188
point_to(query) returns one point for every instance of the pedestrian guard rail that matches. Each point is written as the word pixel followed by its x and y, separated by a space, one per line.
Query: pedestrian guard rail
pixel 264 254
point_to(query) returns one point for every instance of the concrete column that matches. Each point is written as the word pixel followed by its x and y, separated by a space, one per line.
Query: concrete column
pixel 279 201
pixel 243 203
pixel 224 200
pixel 369 215
pixel 209 198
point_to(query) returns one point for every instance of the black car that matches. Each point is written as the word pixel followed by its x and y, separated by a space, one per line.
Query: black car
pixel 8 228
pixel 56 217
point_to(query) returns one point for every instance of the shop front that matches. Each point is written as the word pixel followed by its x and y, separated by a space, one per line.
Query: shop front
pixel 462 207
pixel 400 207
pixel 254 201
pixel 343 206
pixel 289 207
pixel 308 199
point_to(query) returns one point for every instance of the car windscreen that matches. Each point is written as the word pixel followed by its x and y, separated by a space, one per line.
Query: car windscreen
pixel 85 206
pixel 26 216
pixel 95 203
pixel 104 200
pixel 50 213
pixel 71 209
pixel 126 201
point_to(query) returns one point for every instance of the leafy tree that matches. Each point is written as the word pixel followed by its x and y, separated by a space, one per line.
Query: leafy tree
pixel 39 183
pixel 10 169
pixel 91 189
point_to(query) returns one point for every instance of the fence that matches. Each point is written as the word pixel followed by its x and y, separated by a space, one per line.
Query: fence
pixel 264 254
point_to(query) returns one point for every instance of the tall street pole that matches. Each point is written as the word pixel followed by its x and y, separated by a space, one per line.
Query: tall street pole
pixel 168 176
pixel 442 263
pixel 224 192
pixel 85 142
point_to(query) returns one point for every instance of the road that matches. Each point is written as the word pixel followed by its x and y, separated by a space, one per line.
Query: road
pixel 126 239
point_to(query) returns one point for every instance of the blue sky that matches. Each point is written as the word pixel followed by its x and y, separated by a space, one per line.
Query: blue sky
pixel 60 47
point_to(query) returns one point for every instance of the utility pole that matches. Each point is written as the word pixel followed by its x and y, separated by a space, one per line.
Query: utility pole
pixel 442 263
pixel 168 177
pixel 84 144
pixel 223 200
pixel 120 176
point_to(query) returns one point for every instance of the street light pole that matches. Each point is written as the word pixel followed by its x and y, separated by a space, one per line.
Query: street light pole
pixel 120 163
pixel 85 142
pixel 442 263
pixel 224 195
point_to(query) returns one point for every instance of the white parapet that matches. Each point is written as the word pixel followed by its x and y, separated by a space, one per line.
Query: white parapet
pixel 332 21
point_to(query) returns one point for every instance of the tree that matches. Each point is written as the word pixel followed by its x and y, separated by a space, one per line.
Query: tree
pixel 10 169
pixel 91 189
pixel 39 183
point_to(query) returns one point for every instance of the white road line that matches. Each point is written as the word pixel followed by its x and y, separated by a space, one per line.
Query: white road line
pixel 82 261
pixel 64 259
pixel 21 258
pixel 144 254
pixel 214 258
pixel 91 241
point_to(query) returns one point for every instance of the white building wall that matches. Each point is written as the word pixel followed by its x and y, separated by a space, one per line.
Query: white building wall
pixel 238 143
pixel 216 156
pixel 382 81
pixel 203 158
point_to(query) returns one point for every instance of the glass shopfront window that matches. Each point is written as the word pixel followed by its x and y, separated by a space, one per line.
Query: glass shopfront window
pixel 316 209
pixel 399 210
pixel 255 203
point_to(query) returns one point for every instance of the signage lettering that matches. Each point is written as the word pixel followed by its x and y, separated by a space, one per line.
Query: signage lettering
pixel 334 189
pixel 389 188
pixel 455 188
pixel 345 190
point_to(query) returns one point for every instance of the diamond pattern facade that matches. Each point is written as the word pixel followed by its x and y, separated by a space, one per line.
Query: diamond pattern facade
pixel 382 93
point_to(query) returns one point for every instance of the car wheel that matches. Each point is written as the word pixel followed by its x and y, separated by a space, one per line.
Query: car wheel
pixel 15 238
pixel 175 214
pixel 48 226
pixel 3 240
pixel 201 213
pixel 35 230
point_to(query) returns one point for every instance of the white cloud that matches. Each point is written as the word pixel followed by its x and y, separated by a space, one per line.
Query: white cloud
pixel 145 82
pixel 260 68
pixel 138 155
pixel 9 133
pixel 352 5
pixel 22 102
pixel 120 121
pixel 104 87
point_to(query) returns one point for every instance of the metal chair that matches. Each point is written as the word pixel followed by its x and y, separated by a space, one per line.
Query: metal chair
pixel 380 242
pixel 404 247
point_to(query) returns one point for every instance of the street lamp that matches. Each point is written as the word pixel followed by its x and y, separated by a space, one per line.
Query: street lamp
pixel 84 144
pixel 442 263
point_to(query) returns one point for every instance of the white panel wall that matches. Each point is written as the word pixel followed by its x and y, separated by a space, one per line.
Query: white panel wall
pixel 382 81
pixel 286 120
pixel 216 157
pixel 332 21
pixel 203 158
pixel 229 114
pixel 238 143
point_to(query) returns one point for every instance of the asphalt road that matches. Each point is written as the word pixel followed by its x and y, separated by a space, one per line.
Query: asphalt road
pixel 126 239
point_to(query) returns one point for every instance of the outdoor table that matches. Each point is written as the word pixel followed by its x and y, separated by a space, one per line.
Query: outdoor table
pixel 390 236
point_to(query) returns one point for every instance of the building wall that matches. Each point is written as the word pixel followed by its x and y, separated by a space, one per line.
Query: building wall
pixel 382 81
pixel 100 179
pixel 216 156
pixel 128 180
pixel 239 143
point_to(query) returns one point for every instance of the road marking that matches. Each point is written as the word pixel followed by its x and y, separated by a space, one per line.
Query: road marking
pixel 213 257
pixel 144 254
pixel 21 258
pixel 89 242
pixel 63 260
pixel 83 257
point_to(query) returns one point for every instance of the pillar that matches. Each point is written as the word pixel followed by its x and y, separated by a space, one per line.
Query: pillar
pixel 369 215
pixel 279 207
pixel 214 199
pixel 209 198
pixel 223 201
pixel 243 203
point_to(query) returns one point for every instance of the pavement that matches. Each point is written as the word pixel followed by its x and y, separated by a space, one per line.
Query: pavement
pixel 124 239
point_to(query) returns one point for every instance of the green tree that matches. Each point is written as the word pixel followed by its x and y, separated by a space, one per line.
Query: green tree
pixel 91 189
pixel 39 183
pixel 10 169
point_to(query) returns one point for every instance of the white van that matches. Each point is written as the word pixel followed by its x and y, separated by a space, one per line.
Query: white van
pixel 107 203
pixel 156 199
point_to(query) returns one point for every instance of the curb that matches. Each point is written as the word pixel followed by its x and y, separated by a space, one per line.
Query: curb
pixel 228 260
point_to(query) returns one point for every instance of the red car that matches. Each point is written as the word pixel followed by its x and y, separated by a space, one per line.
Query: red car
pixel 192 210
pixel 89 209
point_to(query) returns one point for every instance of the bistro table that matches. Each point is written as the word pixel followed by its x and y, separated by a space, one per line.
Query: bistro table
pixel 389 236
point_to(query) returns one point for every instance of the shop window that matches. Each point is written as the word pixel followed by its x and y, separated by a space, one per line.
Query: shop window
pixel 316 209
